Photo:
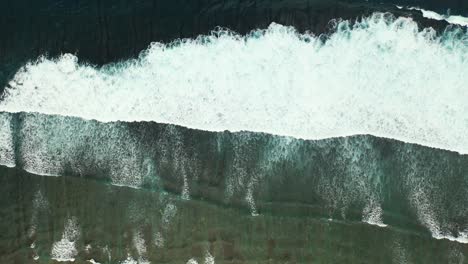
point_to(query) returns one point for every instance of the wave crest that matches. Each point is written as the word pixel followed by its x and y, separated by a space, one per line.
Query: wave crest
pixel 381 75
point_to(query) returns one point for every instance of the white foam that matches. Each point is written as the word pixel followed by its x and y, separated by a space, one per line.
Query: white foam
pixel 461 238
pixel 65 249
pixel 459 20
pixel 428 217
pixel 192 261
pixel 158 240
pixel 168 214
pixel 372 214
pixel 381 76
pixel 129 260
pixel 456 20
pixel 432 14
pixel 107 251
pixel 49 145
pixel 139 243
pixel 7 153
pixel 88 247
pixel 40 203
pixel 209 259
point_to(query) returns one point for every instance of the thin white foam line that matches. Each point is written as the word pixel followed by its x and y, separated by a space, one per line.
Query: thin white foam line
pixel 462 240
pixel 59 175
pixel 7 165
pixel 40 173
pixel 376 224
pixel 456 20
pixel 125 186
pixel 64 259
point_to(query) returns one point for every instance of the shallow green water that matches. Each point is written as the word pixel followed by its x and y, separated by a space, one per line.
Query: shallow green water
pixel 113 224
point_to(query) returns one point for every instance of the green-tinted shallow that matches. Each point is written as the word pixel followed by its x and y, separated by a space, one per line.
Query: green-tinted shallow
pixel 117 224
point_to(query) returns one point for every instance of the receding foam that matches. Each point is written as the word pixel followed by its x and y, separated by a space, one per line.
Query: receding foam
pixel 65 250
pixel 380 76
pixel 372 214
pixel 7 152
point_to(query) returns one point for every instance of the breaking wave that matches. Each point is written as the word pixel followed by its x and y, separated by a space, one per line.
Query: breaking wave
pixel 381 75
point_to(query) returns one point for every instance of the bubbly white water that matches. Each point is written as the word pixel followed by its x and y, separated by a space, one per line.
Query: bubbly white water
pixel 372 214
pixel 7 153
pixel 140 245
pixel 380 76
pixel 129 260
pixel 48 145
pixel 40 203
pixel 192 261
pixel 209 259
pixel 65 249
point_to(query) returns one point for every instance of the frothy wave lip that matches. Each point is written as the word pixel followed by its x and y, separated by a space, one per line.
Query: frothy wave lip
pixel 462 238
pixel 381 76
pixel 376 224
pixel 456 20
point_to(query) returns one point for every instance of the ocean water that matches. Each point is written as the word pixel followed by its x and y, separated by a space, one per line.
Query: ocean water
pixel 68 218
pixel 274 146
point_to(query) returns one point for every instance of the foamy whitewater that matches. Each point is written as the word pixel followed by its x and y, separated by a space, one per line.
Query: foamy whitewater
pixel 65 249
pixel 381 76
